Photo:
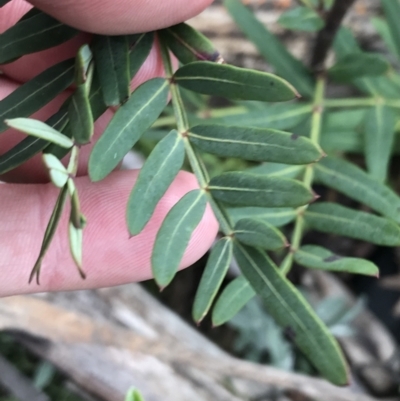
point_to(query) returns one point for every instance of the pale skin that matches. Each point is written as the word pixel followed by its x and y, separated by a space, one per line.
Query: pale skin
pixel 26 200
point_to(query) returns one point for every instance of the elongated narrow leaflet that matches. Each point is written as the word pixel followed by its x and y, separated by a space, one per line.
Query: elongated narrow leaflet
pixel 356 65
pixel 131 120
pixel 255 144
pixel 232 300
pixel 139 48
pixel 291 311
pixel 274 52
pixel 392 10
pixel 31 146
pixel 336 219
pixel 349 179
pixel 36 93
pixel 217 266
pixel 40 130
pixel 49 233
pixel 58 173
pixel 37 33
pixel 233 82
pixel 259 234
pixel 189 45
pixel 111 54
pixel 380 127
pixel 316 257
pixel 155 177
pixel 277 170
pixel 277 217
pixel 243 189
pixel 80 111
pixel 174 235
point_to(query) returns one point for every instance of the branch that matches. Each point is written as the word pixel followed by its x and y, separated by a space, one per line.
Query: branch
pixel 326 36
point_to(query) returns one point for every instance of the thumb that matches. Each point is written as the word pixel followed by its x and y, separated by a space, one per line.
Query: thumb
pixel 109 257
pixel 114 17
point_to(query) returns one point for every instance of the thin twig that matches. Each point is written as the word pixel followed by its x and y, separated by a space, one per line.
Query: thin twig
pixel 326 36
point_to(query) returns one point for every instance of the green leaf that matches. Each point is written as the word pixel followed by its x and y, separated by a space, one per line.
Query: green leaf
pixel 336 219
pixel 344 120
pixel 271 48
pixel 382 27
pixel 233 82
pixel 133 395
pixel 234 297
pixel 277 217
pixel 347 178
pixel 139 48
pixel 288 307
pixel 155 177
pixel 131 120
pixel 40 130
pixel 344 45
pixel 254 144
pixel 316 257
pixel 281 116
pixel 31 146
pixel 214 273
pixel 277 170
pixel 37 33
pixel 392 11
pixel 243 189
pixel 49 233
pixel 301 19
pixel 174 235
pixel 356 65
pixel 36 93
pixel 58 173
pixel 379 136
pixel 75 236
pixel 189 45
pixel 111 54
pixel 259 234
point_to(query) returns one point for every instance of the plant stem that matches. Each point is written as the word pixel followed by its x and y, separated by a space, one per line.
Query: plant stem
pixel 183 128
pixel 327 34
pixel 360 102
pixel 316 125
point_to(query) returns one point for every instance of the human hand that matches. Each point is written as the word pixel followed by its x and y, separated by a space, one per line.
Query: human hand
pixel 110 257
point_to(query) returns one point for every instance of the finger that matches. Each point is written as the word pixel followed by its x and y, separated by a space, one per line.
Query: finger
pixel 114 17
pixel 109 257
pixel 34 170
